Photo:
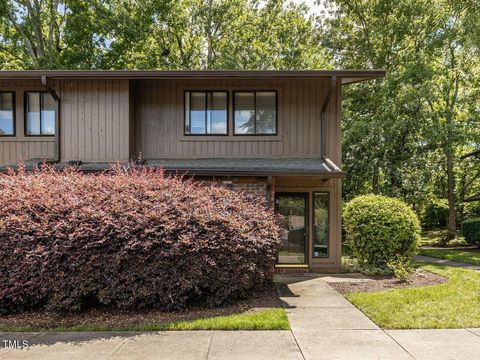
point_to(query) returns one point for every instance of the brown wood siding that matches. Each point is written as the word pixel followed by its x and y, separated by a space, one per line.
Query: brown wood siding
pixel 159 118
pixel 108 120
pixel 95 120
pixel 13 151
pixel 21 147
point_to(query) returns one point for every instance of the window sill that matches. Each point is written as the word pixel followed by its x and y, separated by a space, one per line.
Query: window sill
pixel 46 138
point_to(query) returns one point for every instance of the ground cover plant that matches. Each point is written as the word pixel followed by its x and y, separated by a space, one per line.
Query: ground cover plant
pixel 453 304
pixel 131 238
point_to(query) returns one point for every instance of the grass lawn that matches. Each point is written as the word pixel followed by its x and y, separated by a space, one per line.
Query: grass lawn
pixel 464 256
pixel 453 304
pixel 271 319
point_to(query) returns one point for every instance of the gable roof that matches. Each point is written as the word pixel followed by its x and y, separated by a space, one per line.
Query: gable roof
pixel 346 76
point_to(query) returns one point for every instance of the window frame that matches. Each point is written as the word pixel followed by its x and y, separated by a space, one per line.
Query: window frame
pixel 206 92
pixel 255 112
pixel 329 197
pixel 25 115
pixel 14 111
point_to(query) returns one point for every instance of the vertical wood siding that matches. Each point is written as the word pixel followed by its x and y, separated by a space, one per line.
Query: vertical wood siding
pixel 95 119
pixel 21 147
pixel 108 120
pixel 13 151
pixel 159 116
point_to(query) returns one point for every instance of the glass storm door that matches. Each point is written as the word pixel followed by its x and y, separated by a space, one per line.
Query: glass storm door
pixel 293 208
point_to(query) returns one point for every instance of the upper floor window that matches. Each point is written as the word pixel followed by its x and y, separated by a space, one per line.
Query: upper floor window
pixel 40 113
pixel 206 113
pixel 7 116
pixel 255 112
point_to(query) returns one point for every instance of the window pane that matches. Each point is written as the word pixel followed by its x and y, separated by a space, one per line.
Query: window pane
pixel 187 112
pixel 6 114
pixel 320 225
pixel 292 207
pixel 266 112
pixel 197 113
pixel 217 113
pixel 244 113
pixel 33 113
pixel 48 114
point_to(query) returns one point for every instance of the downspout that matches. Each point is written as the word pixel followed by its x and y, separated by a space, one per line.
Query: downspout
pixel 51 91
pixel 323 117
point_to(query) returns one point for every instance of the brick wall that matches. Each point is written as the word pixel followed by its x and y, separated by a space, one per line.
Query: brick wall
pixel 255 187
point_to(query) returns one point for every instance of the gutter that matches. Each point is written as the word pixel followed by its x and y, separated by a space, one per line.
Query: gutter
pixel 355 75
pixel 323 117
pixel 51 91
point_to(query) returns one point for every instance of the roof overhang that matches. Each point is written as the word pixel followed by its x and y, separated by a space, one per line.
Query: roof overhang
pixel 314 167
pixel 346 76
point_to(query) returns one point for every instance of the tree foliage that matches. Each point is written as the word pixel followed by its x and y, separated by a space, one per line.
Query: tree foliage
pixel 158 34
pixel 403 136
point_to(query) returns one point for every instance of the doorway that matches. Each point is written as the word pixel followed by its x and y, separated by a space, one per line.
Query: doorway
pixel 294 209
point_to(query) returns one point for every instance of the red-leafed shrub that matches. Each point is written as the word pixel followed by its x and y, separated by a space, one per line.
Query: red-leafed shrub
pixel 128 239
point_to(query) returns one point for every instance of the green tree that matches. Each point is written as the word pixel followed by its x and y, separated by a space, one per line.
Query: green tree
pixel 229 34
pixel 403 135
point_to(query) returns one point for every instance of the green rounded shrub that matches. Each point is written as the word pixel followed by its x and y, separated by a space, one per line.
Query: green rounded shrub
pixel 471 231
pixel 381 229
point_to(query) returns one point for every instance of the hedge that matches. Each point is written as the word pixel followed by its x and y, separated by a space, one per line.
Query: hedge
pixel 128 239
pixel 471 231
pixel 381 229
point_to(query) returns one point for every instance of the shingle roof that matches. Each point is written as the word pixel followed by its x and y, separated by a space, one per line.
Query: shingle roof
pixel 219 166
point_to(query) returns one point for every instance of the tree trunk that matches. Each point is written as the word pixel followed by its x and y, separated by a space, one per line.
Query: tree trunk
pixel 452 227
pixel 375 180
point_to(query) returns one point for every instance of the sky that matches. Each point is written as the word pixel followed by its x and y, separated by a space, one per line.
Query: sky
pixel 314 8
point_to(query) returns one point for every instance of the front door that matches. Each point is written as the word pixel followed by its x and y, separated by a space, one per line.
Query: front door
pixel 294 208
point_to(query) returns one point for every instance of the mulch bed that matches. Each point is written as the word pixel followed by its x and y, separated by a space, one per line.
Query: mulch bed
pixel 121 318
pixel 378 283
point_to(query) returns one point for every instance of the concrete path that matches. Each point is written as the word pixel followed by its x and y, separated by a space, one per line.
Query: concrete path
pixel 175 345
pixel 432 260
pixel 324 326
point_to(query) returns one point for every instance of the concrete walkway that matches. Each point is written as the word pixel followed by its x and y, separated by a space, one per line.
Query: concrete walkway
pixel 432 260
pixel 324 326
pixel 175 345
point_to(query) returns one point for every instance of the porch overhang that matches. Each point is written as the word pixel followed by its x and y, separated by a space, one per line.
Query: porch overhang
pixel 317 167
pixel 311 167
